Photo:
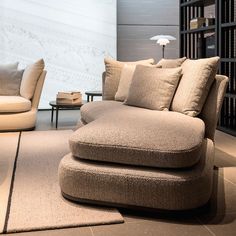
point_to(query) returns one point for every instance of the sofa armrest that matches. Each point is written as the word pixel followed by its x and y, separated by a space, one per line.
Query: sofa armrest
pixel 212 107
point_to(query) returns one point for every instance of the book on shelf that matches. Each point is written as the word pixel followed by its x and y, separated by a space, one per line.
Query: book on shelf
pixel 197 23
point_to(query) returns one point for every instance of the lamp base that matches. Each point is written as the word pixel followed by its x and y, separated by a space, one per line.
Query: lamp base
pixel 163 51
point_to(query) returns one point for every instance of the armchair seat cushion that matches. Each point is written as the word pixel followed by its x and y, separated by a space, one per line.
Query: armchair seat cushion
pixel 140 137
pixel 14 104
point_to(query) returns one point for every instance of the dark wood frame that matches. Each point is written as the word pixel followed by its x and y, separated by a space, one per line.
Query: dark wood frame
pixel 92 94
pixel 225 47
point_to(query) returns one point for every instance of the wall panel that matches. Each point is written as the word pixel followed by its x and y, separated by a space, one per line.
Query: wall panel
pixel 133 42
pixel 141 19
pixel 148 12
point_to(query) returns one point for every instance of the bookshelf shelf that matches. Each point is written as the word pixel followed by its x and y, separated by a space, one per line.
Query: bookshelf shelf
pixel 228 59
pixel 230 24
pixel 202 29
pixel 230 95
pixel 197 3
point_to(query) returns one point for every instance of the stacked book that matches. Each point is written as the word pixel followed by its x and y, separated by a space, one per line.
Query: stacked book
pixel 69 98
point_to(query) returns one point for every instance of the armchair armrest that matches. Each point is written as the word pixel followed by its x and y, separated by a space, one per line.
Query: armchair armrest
pixel 103 81
pixel 38 90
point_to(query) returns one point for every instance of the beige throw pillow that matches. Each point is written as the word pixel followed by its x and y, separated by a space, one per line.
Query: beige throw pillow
pixel 153 88
pixel 124 84
pixel 12 66
pixel 113 72
pixel 198 76
pixel 30 79
pixel 171 63
pixel 10 81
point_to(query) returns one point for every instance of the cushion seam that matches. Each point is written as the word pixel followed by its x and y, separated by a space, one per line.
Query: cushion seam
pixel 139 176
pixel 136 148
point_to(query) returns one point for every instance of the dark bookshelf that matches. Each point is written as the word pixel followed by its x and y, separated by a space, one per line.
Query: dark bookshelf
pixel 218 39
pixel 197 3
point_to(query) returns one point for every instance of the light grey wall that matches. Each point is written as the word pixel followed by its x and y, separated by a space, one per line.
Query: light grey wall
pixel 73 37
pixel 138 20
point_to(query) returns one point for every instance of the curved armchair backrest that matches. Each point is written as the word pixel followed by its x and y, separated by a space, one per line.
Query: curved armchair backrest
pixel 211 109
pixel 38 90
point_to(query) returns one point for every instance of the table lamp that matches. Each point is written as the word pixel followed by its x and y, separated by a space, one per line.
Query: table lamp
pixel 163 40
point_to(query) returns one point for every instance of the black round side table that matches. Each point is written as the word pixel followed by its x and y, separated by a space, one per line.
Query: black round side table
pixel 57 107
pixel 91 94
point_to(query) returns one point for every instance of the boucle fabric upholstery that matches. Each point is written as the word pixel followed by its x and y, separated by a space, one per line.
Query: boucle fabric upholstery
pixel 12 104
pixel 113 72
pixel 171 63
pixel 88 174
pixel 194 86
pixel 153 88
pixel 139 186
pixel 30 79
pixel 93 110
pixel 211 109
pixel 141 137
pixel 10 81
pixel 125 81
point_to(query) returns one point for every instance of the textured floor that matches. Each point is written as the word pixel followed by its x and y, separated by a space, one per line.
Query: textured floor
pixel 218 218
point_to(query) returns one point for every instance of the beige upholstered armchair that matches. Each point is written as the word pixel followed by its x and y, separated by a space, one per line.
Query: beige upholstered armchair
pixel 18 111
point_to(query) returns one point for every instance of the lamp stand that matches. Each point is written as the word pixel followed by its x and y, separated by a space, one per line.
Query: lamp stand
pixel 163 51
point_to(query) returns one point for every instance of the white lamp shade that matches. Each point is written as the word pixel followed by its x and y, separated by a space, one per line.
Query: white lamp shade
pixel 163 41
pixel 161 36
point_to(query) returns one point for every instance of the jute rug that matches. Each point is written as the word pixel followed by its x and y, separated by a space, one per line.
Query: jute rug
pixel 35 201
pixel 8 150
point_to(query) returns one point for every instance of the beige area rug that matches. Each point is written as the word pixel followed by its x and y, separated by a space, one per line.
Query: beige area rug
pixel 8 150
pixel 36 202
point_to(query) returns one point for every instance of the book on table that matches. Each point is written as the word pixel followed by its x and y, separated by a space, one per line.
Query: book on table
pixel 69 98
pixel 69 95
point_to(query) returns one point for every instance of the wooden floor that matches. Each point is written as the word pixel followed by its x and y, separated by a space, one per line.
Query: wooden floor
pixel 219 218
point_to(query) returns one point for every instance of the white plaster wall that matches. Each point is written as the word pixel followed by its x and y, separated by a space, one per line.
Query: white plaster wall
pixel 73 37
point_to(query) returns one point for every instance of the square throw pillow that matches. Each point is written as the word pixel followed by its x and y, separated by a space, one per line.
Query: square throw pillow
pixel 124 84
pixel 30 79
pixel 125 80
pixel 171 63
pixel 153 88
pixel 194 86
pixel 12 66
pixel 10 81
pixel 113 72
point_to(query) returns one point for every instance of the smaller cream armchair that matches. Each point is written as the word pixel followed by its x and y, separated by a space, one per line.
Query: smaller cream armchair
pixel 19 110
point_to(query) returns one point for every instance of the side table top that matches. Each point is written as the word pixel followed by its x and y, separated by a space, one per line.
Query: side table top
pixel 54 104
pixel 94 93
